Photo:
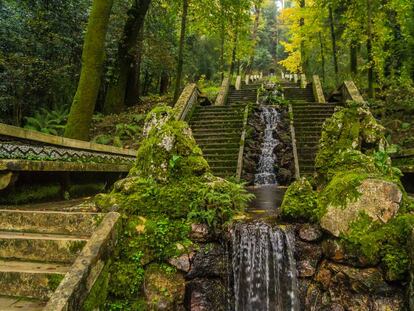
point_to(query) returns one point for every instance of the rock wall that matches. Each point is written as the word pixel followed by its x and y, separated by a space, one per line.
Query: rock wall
pixel 330 278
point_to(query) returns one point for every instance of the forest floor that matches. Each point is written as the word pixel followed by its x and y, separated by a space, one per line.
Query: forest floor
pixel 125 129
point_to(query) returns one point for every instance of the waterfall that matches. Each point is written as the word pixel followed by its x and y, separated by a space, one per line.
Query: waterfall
pixel 266 171
pixel 264 268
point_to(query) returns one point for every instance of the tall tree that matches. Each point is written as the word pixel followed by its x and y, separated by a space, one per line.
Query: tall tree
pixel 127 56
pixel 93 56
pixel 180 61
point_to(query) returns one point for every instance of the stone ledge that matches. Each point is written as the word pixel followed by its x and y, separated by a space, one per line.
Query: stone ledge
pixel 17 132
pixel 58 166
pixel 75 287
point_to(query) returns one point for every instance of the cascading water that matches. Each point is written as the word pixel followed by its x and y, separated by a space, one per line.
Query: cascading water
pixel 266 171
pixel 264 268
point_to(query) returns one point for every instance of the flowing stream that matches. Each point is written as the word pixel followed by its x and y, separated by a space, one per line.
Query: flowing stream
pixel 264 268
pixel 266 170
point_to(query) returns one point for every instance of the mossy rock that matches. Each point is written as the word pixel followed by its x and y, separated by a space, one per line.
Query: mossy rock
pixel 300 201
pixel 164 288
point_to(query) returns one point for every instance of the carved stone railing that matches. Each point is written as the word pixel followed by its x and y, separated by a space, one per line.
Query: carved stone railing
pixel 239 170
pixel 187 102
pixel 23 150
pixel 223 93
pixel 318 90
pixel 88 268
pixel 348 91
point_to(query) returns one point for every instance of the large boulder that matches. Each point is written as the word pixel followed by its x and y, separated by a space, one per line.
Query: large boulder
pixel 378 199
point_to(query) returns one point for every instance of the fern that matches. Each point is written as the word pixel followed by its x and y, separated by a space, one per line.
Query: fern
pixel 48 122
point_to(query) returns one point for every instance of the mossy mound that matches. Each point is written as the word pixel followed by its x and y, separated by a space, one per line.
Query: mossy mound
pixel 352 168
pixel 169 188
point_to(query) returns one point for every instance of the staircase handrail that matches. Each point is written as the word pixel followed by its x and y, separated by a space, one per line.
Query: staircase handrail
pixel 318 90
pixel 223 93
pixel 186 102
pixel 348 91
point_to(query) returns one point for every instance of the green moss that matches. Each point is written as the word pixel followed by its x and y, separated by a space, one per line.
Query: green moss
pixel 300 201
pixel 126 278
pixel 30 194
pixel 169 187
pixel 99 291
pixel 76 247
pixel 54 280
pixel 386 243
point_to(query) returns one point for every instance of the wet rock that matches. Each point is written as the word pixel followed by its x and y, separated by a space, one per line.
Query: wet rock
pixel 308 256
pixel 336 251
pixel 200 233
pixel 309 233
pixel 364 281
pixel 163 290
pixel 209 261
pixel 206 295
pixel 379 199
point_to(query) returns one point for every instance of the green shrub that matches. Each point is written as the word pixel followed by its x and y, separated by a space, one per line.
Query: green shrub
pixel 300 201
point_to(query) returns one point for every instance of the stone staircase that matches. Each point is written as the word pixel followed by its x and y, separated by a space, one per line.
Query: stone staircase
pixel 308 121
pixel 37 249
pixel 218 130
pixel 308 117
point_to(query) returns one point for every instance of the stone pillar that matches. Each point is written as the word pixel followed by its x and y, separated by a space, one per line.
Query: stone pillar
pixel 283 75
pixel 224 92
pixel 238 83
pixel 303 81
pixel 295 78
pixel 247 79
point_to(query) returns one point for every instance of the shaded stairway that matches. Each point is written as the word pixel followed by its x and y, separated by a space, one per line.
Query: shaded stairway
pixel 218 130
pixel 308 117
pixel 38 248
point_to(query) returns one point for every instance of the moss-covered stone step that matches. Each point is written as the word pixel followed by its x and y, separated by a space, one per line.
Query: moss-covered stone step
pixel 198 129
pixel 217 116
pixel 223 157
pixel 220 151
pixel 216 140
pixel 21 304
pixel 220 146
pixel 40 247
pixel 232 134
pixel 30 279
pixel 49 222
pixel 233 122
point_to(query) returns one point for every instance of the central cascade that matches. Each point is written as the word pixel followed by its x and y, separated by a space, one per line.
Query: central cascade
pixel 263 263
pixel 266 171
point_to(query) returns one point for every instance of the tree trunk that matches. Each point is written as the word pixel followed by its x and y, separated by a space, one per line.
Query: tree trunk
pixel 322 56
pixel 133 90
pixel 369 50
pixel 302 43
pixel 181 51
pixel 115 97
pixel 254 37
pixel 334 48
pixel 93 55
pixel 234 52
pixel 354 58
pixel 222 42
pixel 164 82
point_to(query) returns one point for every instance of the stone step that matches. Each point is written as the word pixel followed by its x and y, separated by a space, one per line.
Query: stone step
pixel 30 279
pixel 222 140
pixel 21 304
pixel 202 135
pixel 208 128
pixel 49 222
pixel 40 247
pixel 222 157
pixel 218 151
pixel 221 146
pixel 214 131
pixel 202 115
pixel 216 118
pixel 223 163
